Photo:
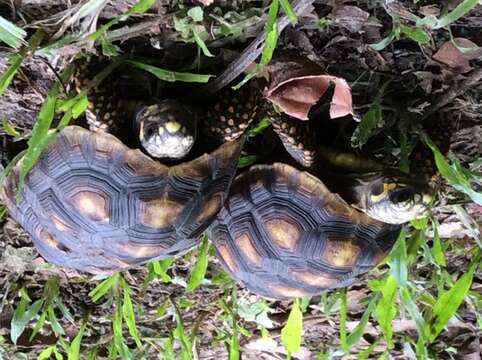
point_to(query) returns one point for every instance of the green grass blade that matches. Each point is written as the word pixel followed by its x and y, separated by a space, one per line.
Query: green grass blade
pixel 199 269
pixel 288 9
pixel 463 8
pixel 101 289
pixel 11 34
pixel 202 45
pixel 358 331
pixel 437 250
pixel 292 331
pixel 414 312
pixel 46 353
pixel 128 312
pixel 74 349
pixel 17 58
pixel 343 316
pixel 449 301
pixel 119 342
pixel 168 75
pixel 398 260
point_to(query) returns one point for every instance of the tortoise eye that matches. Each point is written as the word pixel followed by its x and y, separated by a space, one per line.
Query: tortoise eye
pixel 402 195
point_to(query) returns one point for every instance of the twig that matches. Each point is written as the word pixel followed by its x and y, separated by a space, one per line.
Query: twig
pixel 472 79
pixel 250 54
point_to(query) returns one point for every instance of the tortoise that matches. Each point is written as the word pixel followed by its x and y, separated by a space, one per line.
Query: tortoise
pixel 96 205
pixel 282 233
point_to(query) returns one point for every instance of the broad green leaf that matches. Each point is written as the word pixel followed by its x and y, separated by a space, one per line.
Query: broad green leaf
pixel 101 289
pixel 9 128
pixel 288 9
pixel 74 350
pixel 460 10
pixel 11 34
pixel 417 34
pixel 437 251
pixel 292 331
pixel 420 224
pixel 371 120
pixel 196 13
pixel 398 260
pixel 38 325
pixel 386 310
pixel 168 75
pixel 448 302
pixel 22 317
pixel 128 312
pixel 199 269
pixel 79 107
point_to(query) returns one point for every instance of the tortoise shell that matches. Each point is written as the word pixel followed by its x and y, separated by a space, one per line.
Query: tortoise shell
pixel 283 234
pixel 93 204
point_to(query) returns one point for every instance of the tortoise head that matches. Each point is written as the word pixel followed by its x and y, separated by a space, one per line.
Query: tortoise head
pixel 395 199
pixel 166 129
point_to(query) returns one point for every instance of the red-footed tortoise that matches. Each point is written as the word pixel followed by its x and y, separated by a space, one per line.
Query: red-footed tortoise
pixel 93 204
pixel 283 234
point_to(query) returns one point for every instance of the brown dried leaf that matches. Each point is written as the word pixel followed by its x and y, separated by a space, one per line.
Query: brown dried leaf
pixel 350 17
pixel 295 85
pixel 449 55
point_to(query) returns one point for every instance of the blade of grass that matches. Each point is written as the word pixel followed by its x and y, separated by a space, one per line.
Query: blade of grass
pixel 460 10
pixel 398 260
pixel 16 59
pixel 288 9
pixel 101 289
pixel 168 75
pixel 199 269
pixel 343 316
pixel 11 34
pixel 74 349
pixel 128 312
pixel 270 41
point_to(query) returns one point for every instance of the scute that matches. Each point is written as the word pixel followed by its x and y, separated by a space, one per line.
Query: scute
pixel 92 204
pixel 289 236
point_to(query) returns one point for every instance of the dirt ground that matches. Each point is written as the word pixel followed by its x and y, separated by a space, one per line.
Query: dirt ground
pixel 421 81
